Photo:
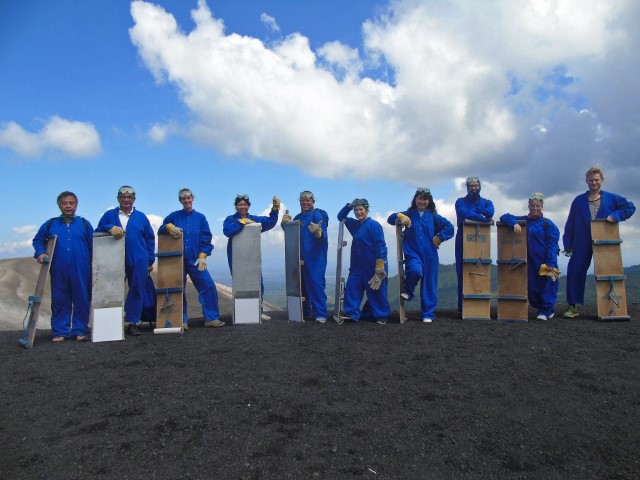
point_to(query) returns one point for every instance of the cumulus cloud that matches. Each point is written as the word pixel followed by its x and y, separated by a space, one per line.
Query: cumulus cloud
pixel 269 22
pixel 58 136
pixel 498 88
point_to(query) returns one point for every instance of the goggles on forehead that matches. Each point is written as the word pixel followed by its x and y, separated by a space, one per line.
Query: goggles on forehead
pixel 472 179
pixel 126 190
pixel 185 192
pixel 537 196
pixel 424 190
pixel 306 194
pixel 242 196
pixel 360 201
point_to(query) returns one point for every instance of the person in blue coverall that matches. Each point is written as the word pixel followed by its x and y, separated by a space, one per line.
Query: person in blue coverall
pixel 542 249
pixel 70 269
pixel 424 231
pixel 194 229
pixel 139 254
pixel 594 203
pixel 471 207
pixel 368 268
pixel 313 250
pixel 233 224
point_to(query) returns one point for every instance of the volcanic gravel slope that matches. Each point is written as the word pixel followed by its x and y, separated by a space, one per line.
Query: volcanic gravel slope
pixel 448 400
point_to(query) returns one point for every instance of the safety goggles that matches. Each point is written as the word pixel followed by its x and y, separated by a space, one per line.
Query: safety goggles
pixel 360 202
pixel 242 196
pixel 185 192
pixel 126 190
pixel 472 179
pixel 306 194
pixel 536 196
pixel 423 190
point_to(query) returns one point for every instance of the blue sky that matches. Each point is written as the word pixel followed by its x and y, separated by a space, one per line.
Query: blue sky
pixel 348 99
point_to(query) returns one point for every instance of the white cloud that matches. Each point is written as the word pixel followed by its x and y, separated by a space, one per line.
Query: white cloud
pixel 269 22
pixel 58 136
pixel 495 88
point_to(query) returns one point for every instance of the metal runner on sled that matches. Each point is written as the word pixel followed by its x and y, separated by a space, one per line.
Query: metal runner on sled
pixel 340 282
pixel 107 293
pixel 169 284
pixel 293 270
pixel 609 271
pixel 400 254
pixel 247 273
pixel 513 304
pixel 35 300
pixel 476 270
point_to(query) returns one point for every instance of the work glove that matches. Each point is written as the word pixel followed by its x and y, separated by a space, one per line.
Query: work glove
pixel 567 253
pixel 404 220
pixel 286 218
pixel 379 276
pixel 43 258
pixel 246 221
pixel 547 271
pixel 175 232
pixel 117 232
pixel 276 203
pixel 437 241
pixel 316 229
pixel 201 262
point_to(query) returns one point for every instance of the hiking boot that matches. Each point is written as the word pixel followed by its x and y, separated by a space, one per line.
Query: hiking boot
pixel 134 329
pixel 214 323
pixel 572 312
pixel 185 326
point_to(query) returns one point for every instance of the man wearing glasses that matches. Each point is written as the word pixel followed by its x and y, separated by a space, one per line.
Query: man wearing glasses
pixel 139 250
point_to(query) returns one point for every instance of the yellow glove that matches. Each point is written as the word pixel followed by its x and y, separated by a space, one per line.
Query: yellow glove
pixel 316 229
pixel 276 203
pixel 117 232
pixel 547 271
pixel 201 263
pixel 437 241
pixel 175 232
pixel 404 220
pixel 286 218
pixel 246 221
pixel 379 276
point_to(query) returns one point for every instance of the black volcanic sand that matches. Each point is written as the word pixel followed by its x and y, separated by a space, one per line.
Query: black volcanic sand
pixel 450 400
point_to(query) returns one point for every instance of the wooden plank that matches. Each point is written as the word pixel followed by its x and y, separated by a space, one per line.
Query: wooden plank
pixel 611 293
pixel 512 273
pixel 169 282
pixel 476 270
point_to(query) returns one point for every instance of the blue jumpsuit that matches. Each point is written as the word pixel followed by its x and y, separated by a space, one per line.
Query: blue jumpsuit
pixel 472 207
pixel 314 254
pixel 197 238
pixel 368 245
pixel 70 274
pixel 232 226
pixel 140 244
pixel 542 247
pixel 577 237
pixel 421 255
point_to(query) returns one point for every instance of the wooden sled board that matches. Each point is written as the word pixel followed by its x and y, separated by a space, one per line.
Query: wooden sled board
pixel 26 341
pixel 513 305
pixel 340 282
pixel 476 271
pixel 247 271
pixel 402 311
pixel 169 283
pixel 611 295
pixel 293 274
pixel 107 297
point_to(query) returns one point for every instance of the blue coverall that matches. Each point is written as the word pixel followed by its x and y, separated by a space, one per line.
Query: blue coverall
pixel 314 255
pixel 70 274
pixel 197 237
pixel 577 237
pixel 140 244
pixel 421 255
pixel 232 226
pixel 472 207
pixel 542 247
pixel 367 246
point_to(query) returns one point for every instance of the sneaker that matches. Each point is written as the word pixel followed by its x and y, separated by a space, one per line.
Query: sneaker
pixel 185 326
pixel 427 320
pixel 264 317
pixel 381 321
pixel 542 316
pixel 214 323
pixel 134 329
pixel 405 296
pixel 550 316
pixel 321 320
pixel 572 312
